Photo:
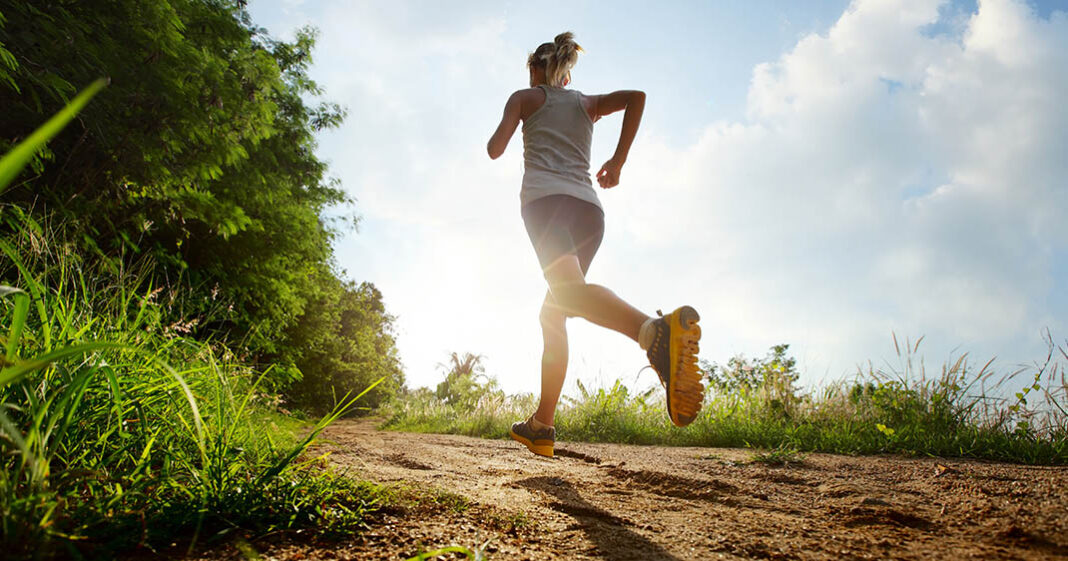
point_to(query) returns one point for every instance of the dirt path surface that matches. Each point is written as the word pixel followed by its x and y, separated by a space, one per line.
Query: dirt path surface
pixel 605 501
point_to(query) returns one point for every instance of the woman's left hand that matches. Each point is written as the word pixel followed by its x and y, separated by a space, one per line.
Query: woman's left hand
pixel 608 177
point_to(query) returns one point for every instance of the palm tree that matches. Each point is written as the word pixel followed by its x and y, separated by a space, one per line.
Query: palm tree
pixel 468 365
pixel 461 384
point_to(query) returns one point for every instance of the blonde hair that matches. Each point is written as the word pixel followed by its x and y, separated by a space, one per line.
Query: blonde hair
pixel 557 58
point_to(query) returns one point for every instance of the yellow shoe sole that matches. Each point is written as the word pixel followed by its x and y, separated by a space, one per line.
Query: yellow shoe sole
pixel 542 449
pixel 685 391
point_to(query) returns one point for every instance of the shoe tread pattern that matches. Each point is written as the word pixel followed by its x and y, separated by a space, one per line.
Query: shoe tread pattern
pixel 673 355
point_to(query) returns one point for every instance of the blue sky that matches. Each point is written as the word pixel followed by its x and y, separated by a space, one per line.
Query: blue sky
pixel 822 174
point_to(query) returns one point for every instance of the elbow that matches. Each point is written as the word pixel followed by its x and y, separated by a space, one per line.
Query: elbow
pixel 493 151
pixel 637 96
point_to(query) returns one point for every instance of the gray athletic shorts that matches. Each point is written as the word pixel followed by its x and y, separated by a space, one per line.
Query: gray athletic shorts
pixel 560 225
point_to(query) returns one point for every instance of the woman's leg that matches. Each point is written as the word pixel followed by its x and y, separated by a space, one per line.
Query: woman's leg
pixel 553 359
pixel 590 301
pixel 566 233
pixel 573 296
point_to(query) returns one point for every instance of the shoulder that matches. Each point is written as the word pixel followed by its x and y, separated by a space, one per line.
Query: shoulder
pixel 527 100
pixel 527 94
pixel 589 104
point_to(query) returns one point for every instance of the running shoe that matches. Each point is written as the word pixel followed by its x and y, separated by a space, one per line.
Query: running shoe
pixel 539 441
pixel 673 355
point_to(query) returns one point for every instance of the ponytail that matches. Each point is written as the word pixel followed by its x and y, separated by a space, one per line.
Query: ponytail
pixel 557 58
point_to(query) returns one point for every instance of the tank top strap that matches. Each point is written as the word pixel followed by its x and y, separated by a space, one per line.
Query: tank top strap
pixel 557 93
pixel 550 94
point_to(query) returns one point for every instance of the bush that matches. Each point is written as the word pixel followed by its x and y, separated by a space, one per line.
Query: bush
pixel 201 155
pixel 755 403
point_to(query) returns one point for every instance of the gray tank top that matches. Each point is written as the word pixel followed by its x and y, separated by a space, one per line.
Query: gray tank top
pixel 556 149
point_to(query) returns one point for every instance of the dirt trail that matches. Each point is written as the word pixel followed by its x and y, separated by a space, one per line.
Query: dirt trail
pixel 605 501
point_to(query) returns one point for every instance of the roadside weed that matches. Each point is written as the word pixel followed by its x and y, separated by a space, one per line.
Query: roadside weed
pixel 964 409
pixel 780 456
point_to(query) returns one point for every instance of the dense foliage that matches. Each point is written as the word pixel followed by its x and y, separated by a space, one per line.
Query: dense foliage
pixel 200 156
pixel 166 271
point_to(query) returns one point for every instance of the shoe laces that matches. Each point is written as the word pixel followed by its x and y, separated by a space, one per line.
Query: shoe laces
pixel 642 369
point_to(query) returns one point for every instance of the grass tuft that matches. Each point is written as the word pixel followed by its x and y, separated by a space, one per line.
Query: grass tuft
pixel 782 456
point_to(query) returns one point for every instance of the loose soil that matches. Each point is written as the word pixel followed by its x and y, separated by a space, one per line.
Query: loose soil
pixel 608 501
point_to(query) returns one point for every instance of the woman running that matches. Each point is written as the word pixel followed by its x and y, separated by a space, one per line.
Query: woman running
pixel 565 222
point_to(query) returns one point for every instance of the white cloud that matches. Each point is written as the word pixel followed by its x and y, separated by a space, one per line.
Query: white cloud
pixel 884 180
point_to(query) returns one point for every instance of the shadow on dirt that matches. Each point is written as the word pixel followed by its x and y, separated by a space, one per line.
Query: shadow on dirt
pixel 611 534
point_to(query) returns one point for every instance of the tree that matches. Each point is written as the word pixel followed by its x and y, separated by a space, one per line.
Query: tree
pixel 200 152
pixel 776 368
pixel 344 343
pixel 201 155
pixel 461 386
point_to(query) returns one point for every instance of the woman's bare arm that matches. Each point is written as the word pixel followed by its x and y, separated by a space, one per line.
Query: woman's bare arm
pixel 509 121
pixel 632 102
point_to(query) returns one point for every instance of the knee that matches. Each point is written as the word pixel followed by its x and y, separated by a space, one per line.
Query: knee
pixel 552 318
pixel 569 294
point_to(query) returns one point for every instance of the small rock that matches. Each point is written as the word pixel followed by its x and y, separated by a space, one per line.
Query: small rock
pixel 941 470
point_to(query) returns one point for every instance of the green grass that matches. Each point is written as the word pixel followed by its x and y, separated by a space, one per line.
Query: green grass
pixel 780 456
pixel 118 432
pixel 439 553
pixel 959 412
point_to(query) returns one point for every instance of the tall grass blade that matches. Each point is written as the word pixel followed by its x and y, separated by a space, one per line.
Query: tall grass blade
pixel 198 421
pixel 15 372
pixel 338 411
pixel 35 288
pixel 13 162
pixel 8 290
pixel 18 321
pixel 13 434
